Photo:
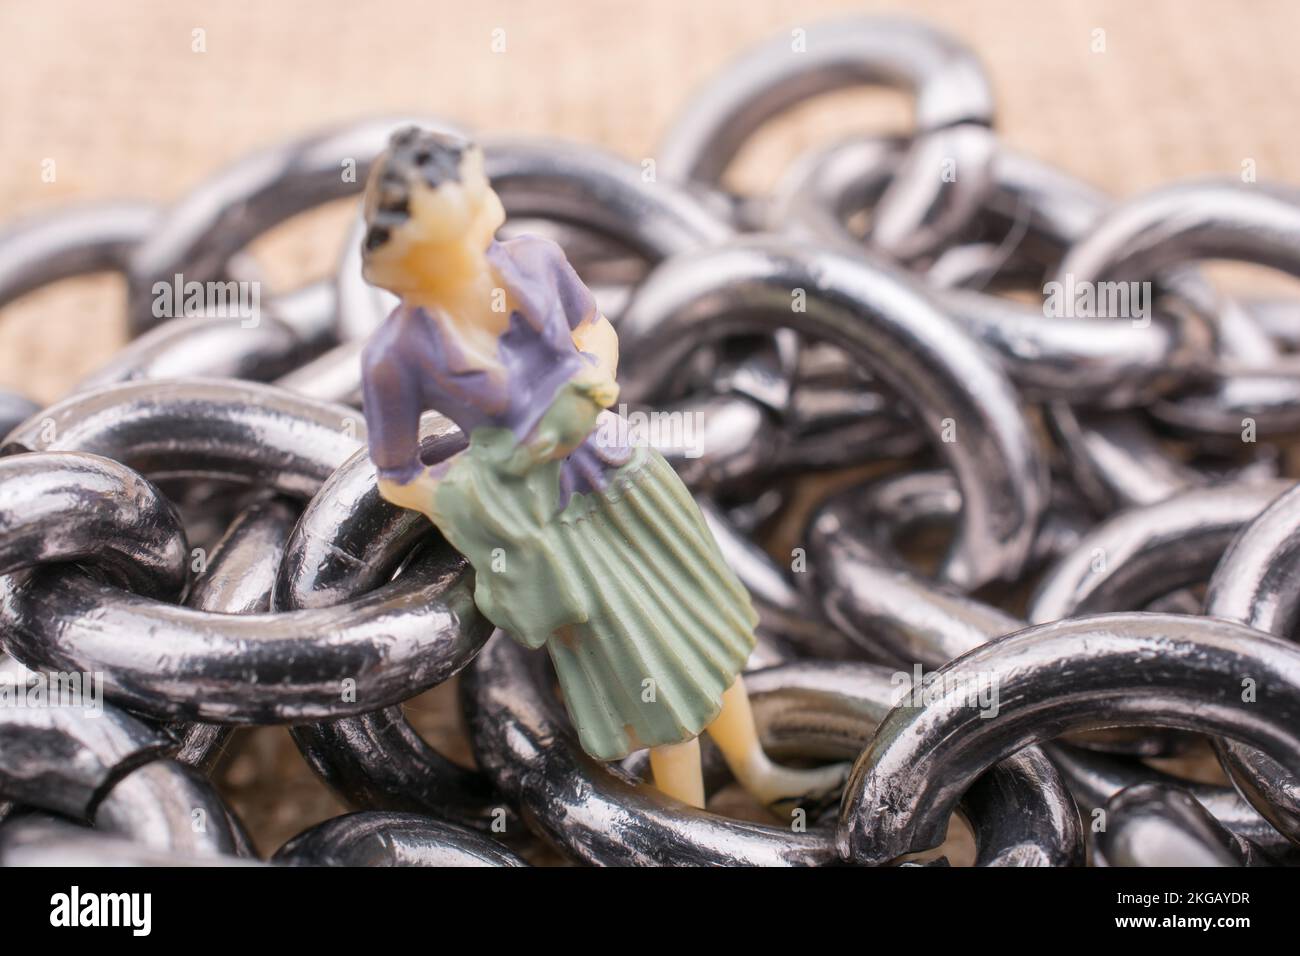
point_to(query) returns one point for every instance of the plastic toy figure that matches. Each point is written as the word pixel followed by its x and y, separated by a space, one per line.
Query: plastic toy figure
pixel 594 549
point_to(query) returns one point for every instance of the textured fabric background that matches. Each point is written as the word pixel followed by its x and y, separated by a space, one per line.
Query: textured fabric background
pixel 115 94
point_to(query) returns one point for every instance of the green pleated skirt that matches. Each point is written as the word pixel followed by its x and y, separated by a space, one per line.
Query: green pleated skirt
pixel 646 624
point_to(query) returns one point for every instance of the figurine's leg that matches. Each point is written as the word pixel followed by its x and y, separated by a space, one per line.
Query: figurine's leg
pixel 677 772
pixel 775 786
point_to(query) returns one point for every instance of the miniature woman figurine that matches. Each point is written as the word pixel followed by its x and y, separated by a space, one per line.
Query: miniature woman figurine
pixel 592 548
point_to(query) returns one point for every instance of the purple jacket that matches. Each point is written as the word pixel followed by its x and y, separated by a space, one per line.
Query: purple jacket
pixel 409 365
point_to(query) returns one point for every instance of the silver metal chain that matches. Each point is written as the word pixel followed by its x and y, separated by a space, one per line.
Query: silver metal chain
pixel 1076 548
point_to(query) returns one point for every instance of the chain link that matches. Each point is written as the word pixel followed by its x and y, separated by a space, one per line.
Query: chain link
pixel 195 532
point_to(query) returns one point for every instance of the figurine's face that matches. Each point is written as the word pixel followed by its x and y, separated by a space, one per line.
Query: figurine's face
pixel 429 210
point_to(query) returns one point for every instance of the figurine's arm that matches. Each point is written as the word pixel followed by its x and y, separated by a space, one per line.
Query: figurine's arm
pixel 547 291
pixel 391 392
pixel 416 494
pixel 592 332
pixel 597 337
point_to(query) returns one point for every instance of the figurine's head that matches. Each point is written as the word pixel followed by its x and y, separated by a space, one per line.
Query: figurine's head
pixel 429 210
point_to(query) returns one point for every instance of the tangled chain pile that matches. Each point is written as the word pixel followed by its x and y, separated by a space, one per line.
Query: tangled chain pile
pixel 196 530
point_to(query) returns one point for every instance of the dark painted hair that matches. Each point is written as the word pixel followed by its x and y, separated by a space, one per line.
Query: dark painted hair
pixel 414 155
